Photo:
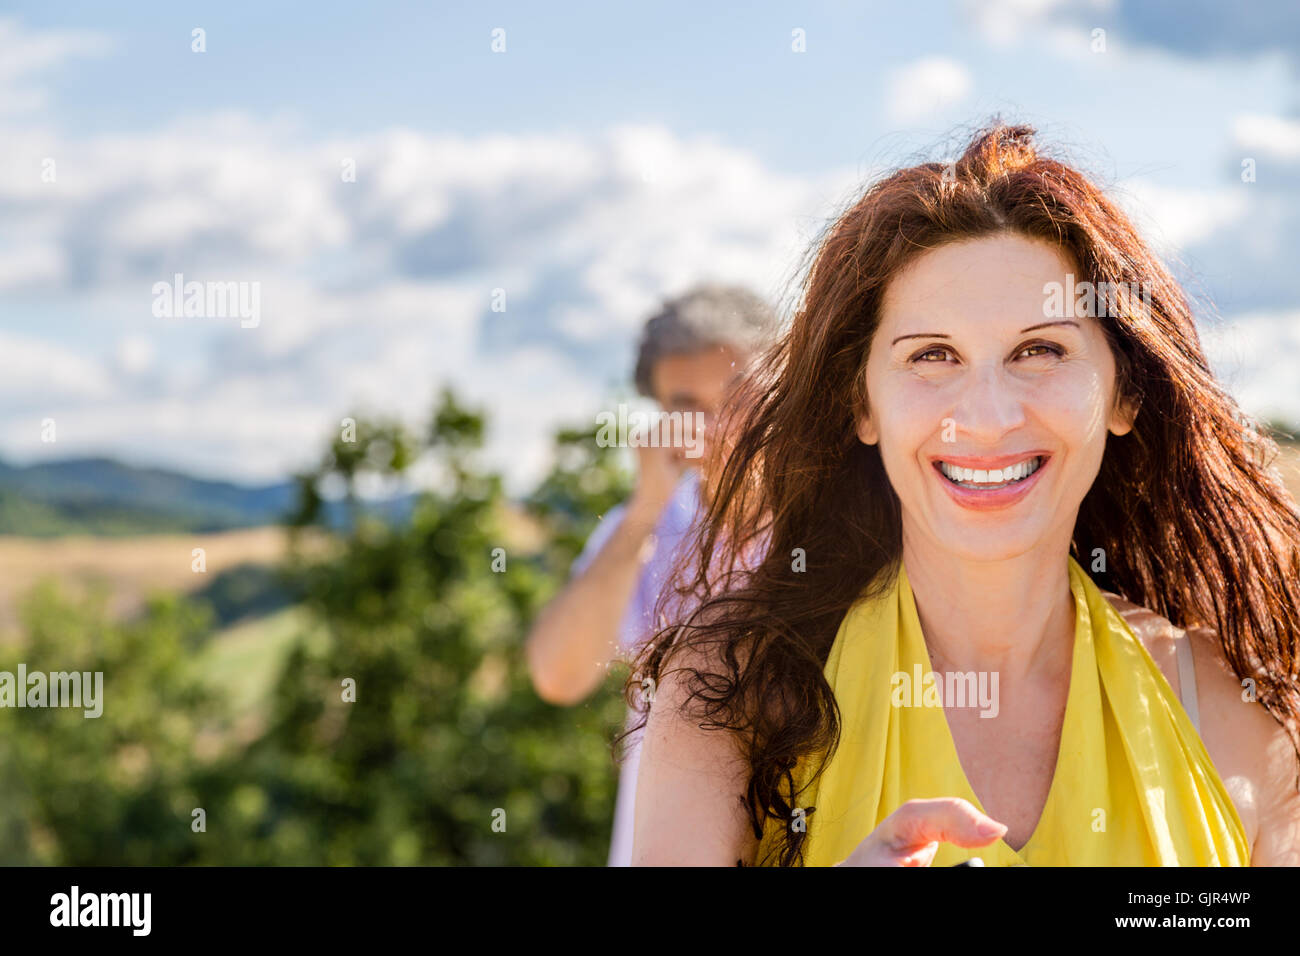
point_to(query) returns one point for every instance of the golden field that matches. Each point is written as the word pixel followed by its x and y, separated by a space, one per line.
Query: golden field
pixel 129 569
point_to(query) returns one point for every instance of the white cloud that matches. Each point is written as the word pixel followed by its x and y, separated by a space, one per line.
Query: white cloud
pixel 33 371
pixel 24 53
pixel 1256 355
pixel 1174 218
pixel 135 354
pixel 39 262
pixel 927 86
pixel 1271 135
pixel 373 293
pixel 1003 23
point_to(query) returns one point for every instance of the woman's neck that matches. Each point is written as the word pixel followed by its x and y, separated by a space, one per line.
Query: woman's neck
pixel 1014 617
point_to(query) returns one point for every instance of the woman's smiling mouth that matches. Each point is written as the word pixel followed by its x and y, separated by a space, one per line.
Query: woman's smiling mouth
pixel 986 478
pixel 990 483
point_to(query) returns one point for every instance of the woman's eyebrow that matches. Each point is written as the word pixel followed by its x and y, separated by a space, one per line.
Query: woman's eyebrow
pixel 943 335
pixel 1043 325
pixel 921 335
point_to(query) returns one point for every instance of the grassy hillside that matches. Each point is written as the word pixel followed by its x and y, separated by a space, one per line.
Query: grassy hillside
pixel 242 662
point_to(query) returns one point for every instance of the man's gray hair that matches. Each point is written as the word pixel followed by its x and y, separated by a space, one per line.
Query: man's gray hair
pixel 704 317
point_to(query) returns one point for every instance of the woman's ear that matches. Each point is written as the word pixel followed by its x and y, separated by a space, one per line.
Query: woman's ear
pixel 867 433
pixel 1124 415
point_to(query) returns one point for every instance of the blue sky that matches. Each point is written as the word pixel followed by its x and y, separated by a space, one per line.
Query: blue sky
pixel 582 66
pixel 609 157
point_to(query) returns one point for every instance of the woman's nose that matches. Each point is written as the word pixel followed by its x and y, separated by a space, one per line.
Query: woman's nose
pixel 990 405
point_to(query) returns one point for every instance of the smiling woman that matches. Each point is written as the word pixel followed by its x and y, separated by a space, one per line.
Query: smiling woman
pixel 945 452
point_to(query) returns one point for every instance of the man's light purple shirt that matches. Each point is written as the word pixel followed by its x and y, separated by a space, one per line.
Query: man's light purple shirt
pixel 671 533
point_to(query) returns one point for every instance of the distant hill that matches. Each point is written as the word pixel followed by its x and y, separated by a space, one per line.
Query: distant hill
pixel 104 496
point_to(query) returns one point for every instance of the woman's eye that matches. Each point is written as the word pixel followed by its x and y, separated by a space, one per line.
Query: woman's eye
pixel 1034 351
pixel 931 355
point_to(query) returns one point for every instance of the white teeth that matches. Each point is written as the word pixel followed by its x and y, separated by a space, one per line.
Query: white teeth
pixel 984 478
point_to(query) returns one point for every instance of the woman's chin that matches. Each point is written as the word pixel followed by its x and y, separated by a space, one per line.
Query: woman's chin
pixel 985 545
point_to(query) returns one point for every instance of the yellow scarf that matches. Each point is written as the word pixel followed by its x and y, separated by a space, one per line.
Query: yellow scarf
pixel 1133 786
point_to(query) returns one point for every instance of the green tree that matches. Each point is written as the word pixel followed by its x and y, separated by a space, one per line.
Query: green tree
pixel 445 737
pixel 116 788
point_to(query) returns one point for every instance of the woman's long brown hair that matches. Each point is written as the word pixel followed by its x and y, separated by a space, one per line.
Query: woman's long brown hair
pixel 1193 521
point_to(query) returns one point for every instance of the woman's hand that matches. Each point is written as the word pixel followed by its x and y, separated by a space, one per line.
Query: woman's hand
pixel 910 836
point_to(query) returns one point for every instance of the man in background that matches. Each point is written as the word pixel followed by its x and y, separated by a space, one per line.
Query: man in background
pixel 691 352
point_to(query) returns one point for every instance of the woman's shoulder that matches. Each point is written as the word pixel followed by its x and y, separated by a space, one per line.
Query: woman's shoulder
pixel 1216 682
pixel 1250 749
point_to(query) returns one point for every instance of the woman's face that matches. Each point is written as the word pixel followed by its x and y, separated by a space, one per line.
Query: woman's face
pixel 991 416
